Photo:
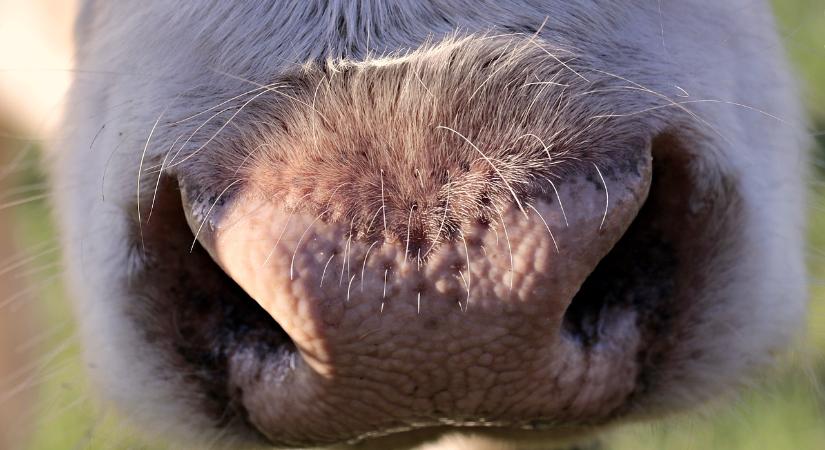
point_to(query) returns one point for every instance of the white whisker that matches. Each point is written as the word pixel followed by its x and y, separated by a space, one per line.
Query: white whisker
pixel 509 248
pixel 205 219
pixel 298 245
pixel 324 272
pixel 546 226
pixel 364 266
pixel 606 196
pixel 490 162
pixel 558 197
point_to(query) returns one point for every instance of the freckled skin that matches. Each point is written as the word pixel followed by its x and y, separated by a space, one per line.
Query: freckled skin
pixel 424 348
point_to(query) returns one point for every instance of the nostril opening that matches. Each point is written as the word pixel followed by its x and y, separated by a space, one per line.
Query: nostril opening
pixel 193 308
pixel 641 272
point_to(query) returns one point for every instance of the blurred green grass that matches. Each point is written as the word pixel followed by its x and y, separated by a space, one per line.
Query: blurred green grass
pixel 786 411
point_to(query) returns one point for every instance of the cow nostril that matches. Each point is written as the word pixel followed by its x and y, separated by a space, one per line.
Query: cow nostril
pixel 190 307
pixel 641 271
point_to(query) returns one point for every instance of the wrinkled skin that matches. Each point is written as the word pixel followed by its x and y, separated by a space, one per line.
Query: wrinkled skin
pixel 311 224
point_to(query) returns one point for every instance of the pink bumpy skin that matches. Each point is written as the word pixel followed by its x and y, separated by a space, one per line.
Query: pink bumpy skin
pixel 471 328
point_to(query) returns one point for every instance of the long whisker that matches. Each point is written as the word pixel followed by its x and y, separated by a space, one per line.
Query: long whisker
pixel 374 216
pixel 469 269
pixel 188 118
pixel 639 87
pixel 324 272
pixel 409 222
pixel 26 292
pixel 329 200
pixel 249 155
pixel 157 185
pixel 349 287
pixel 383 203
pixel 298 245
pixel 140 172
pixel 314 116
pixel 606 196
pixel 197 129
pixel 490 162
pixel 364 266
pixel 556 58
pixel 216 133
pixel 271 88
pixel 443 218
pixel 486 80
pixel 286 225
pixel 509 248
pixel 547 226
pixel 558 197
pixel 345 262
pixel 205 219
pixel 25 200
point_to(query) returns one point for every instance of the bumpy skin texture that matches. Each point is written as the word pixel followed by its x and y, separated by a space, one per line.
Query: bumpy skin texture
pixel 370 225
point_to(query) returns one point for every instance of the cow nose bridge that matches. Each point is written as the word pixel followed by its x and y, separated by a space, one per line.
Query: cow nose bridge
pixel 489 289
